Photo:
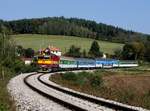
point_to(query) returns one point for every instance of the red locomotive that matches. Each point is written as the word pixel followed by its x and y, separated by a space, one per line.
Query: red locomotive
pixel 47 61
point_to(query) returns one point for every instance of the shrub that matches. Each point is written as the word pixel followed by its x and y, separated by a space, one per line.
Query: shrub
pixel 18 66
pixel 29 52
pixel 96 81
pixel 146 99
pixel 3 107
pixel 83 78
pixel 74 51
pixel 127 95
pixel 70 76
pixel 29 68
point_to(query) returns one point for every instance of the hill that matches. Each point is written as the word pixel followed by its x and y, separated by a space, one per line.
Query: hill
pixel 36 41
pixel 72 27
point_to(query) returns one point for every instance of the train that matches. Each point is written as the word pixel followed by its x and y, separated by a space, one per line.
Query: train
pixel 53 62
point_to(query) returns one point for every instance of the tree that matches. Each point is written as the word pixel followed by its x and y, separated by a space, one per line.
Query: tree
pixel 7 50
pixel 71 27
pixel 29 52
pixel 127 52
pixel 133 51
pixel 74 51
pixel 20 50
pixel 147 51
pixel 139 50
pixel 95 50
pixel 118 53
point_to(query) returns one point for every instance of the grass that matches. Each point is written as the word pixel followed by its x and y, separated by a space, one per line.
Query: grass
pixel 83 78
pixel 6 104
pixel 63 42
pixel 126 87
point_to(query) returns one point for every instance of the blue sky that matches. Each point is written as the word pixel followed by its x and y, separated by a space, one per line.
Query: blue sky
pixel 128 14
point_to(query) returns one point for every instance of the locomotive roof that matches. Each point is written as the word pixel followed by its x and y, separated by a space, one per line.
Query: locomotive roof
pixel 54 49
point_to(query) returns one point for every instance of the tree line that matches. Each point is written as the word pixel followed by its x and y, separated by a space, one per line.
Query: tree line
pixel 93 52
pixel 136 50
pixel 72 27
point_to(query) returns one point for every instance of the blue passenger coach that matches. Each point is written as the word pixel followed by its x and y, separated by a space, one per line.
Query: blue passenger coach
pixel 85 63
pixel 107 63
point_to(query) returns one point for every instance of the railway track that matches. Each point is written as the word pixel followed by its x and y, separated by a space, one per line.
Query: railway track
pixel 55 99
pixel 72 100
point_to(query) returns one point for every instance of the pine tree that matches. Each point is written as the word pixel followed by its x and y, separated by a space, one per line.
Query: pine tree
pixel 74 51
pixel 95 50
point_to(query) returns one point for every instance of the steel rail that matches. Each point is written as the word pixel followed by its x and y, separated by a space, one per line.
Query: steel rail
pixel 55 99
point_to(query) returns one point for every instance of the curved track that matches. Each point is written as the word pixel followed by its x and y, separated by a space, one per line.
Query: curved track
pixel 55 99
pixel 71 99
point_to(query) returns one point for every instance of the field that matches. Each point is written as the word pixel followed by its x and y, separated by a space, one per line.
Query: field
pixel 63 42
pixel 127 86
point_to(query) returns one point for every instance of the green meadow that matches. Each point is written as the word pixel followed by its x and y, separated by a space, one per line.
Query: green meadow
pixel 36 42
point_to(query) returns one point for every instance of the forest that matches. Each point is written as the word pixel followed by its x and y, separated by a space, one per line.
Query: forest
pixel 73 27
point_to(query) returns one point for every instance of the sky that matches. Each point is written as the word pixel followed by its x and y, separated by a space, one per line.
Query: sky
pixel 128 14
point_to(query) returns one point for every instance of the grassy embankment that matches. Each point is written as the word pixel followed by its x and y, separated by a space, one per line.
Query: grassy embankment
pixel 128 86
pixel 63 42
pixel 6 104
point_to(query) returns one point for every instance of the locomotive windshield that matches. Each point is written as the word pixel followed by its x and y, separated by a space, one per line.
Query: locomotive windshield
pixel 43 57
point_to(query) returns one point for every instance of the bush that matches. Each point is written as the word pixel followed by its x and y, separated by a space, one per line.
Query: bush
pixel 3 107
pixel 127 95
pixel 29 68
pixel 83 78
pixel 74 51
pixel 29 52
pixel 96 81
pixel 70 76
pixel 18 66
pixel 146 100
